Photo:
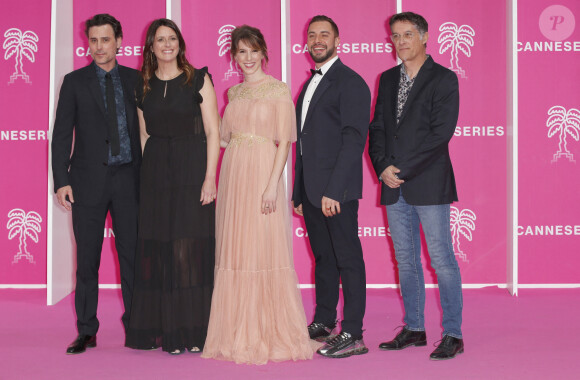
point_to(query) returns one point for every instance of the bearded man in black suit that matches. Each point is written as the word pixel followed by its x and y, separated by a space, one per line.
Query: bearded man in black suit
pixel 332 114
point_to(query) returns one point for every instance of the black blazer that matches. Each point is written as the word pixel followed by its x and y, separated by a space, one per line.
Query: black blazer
pixel 333 138
pixel 419 145
pixel 81 109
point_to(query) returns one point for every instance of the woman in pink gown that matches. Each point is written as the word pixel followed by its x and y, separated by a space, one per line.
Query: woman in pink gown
pixel 256 313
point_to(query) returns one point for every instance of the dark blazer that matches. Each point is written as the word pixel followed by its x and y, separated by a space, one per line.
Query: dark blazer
pixel 419 145
pixel 333 138
pixel 81 109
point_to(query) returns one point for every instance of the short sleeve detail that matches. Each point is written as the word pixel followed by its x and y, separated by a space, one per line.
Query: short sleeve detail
pixel 199 80
pixel 262 109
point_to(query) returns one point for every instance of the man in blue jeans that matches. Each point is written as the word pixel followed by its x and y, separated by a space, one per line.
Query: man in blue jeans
pixel 415 117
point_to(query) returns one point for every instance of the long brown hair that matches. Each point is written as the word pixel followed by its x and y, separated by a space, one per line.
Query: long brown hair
pixel 150 60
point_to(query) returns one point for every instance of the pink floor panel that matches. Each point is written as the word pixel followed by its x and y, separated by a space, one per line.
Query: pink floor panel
pixel 533 336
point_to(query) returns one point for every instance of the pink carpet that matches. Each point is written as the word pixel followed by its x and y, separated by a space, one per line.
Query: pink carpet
pixel 533 336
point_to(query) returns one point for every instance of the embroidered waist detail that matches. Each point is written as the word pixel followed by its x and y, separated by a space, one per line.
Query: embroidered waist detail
pixel 239 138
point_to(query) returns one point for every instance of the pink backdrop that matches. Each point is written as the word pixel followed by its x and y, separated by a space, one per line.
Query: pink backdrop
pixel 479 245
pixel 478 149
pixel 24 93
pixel 549 228
pixel 207 27
pixel 547 83
pixel 134 30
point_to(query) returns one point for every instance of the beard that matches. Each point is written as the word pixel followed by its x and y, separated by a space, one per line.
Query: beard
pixel 322 58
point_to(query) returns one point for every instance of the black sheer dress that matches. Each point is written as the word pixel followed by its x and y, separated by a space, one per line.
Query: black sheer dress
pixel 174 264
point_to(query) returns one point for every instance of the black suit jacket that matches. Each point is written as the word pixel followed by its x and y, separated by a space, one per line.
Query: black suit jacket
pixel 419 144
pixel 81 110
pixel 333 138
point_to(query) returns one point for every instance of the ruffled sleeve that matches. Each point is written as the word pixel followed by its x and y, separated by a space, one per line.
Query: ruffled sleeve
pixel 285 116
pixel 199 80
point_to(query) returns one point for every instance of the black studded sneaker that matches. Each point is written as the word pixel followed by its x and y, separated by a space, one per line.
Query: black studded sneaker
pixel 342 346
pixel 319 331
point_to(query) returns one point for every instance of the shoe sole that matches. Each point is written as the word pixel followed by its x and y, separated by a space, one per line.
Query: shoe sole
pixel 80 352
pixel 451 357
pixel 416 344
pixel 346 354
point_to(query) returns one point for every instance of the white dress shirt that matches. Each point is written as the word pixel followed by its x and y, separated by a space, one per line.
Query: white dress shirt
pixel 312 88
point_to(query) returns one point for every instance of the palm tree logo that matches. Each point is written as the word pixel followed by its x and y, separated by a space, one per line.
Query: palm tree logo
pixel 20 45
pixel 224 43
pixel 24 224
pixel 462 223
pixel 567 123
pixel 457 39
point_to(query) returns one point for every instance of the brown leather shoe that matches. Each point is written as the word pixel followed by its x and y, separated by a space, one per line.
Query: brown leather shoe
pixel 81 343
pixel 404 339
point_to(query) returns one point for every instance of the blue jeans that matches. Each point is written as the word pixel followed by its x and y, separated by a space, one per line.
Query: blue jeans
pixel 404 222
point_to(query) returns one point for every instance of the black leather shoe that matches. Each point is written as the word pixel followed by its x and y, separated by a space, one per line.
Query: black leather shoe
pixel 81 343
pixel 319 331
pixel 447 349
pixel 404 339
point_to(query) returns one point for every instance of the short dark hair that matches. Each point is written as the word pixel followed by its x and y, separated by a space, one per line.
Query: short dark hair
pixel 251 36
pixel 415 19
pixel 327 19
pixel 104 19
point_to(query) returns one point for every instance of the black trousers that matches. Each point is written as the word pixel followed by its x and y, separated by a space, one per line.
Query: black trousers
pixel 120 198
pixel 338 256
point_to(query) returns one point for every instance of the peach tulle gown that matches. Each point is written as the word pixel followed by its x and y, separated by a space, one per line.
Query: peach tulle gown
pixel 256 313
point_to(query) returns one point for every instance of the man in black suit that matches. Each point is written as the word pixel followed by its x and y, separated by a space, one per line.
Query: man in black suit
pixel 333 111
pixel 415 117
pixel 97 105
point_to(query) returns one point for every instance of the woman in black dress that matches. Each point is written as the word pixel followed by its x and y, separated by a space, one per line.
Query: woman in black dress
pixel 174 266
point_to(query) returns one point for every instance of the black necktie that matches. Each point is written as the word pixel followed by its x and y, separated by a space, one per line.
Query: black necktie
pixel 112 116
pixel 319 71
